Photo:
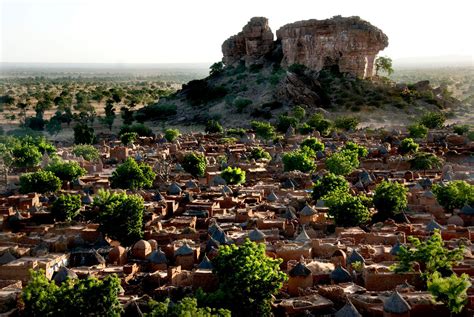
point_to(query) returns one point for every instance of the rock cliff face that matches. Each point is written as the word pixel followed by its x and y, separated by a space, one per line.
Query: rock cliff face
pixel 349 43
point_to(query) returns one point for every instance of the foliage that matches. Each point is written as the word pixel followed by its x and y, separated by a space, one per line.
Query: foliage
pixel 383 63
pixel 171 134
pixel 329 183
pixel 156 112
pixel 86 151
pixel 359 149
pixel 323 126
pixel 216 68
pixel 431 255
pixel 39 182
pixel 298 69
pixel 425 161
pixel 53 126
pixel 87 297
pixel 236 131
pixel 299 112
pixel 66 171
pixel 201 92
pixel 247 278
pixel 233 175
pixel 452 290
pixel 213 126
pixel 418 131
pixel 132 175
pixel 313 143
pixel 461 129
pixel 347 210
pixel 83 134
pixel 454 195
pixel 258 153
pixel 25 156
pixel 408 145
pixel 347 123
pixel 242 103
pixel 188 306
pixel 285 122
pixel 66 207
pixel 263 130
pixel 138 128
pixel 390 198
pixel 195 164
pixel 301 160
pixel 128 138
pixel 433 120
pixel 120 216
pixel 343 162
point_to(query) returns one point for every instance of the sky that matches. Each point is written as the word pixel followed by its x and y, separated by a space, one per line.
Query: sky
pixel 192 31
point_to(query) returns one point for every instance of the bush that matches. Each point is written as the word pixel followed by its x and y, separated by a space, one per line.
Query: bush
pixel 171 134
pixel 264 130
pixel 259 153
pixel 233 175
pixel 83 134
pixel 200 92
pixel 343 162
pixel 213 126
pixel 425 161
pixel 284 122
pixel 452 290
pixel 418 131
pixel 86 151
pixel 241 104
pixel 138 128
pixel 66 207
pixel 297 69
pixel 299 112
pixel 195 164
pixel 347 123
pixel 433 120
pixel 120 216
pixel 39 182
pixel 359 149
pixel 390 198
pixel 132 175
pixel 35 123
pixel 188 306
pixel 461 129
pixel 313 143
pixel 454 195
pixel 156 112
pixel 86 297
pixel 347 210
pixel 128 138
pixel 327 184
pixel 299 160
pixel 25 156
pixel 236 131
pixel 408 145
pixel 66 171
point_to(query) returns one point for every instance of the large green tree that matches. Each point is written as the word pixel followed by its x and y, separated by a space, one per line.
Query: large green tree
pixel 195 164
pixel 66 171
pixel 39 182
pixel 132 175
pixel 383 63
pixel 454 195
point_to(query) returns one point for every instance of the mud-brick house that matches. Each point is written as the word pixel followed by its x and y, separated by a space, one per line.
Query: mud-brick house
pixel 19 269
pixel 119 153
pixel 379 277
pixel 23 202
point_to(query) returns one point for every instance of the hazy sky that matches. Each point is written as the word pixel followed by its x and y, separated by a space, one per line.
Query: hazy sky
pixel 154 31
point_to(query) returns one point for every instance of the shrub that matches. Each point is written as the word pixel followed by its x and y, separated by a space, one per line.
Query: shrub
pixel 299 112
pixel 128 138
pixel 359 149
pixel 347 210
pixel 138 128
pixel 452 290
pixel 188 306
pixel 433 120
pixel 66 207
pixel 390 198
pixel 461 129
pixel 25 156
pixel 284 122
pixel 66 171
pixel 213 126
pixel 39 182
pixel 86 151
pixel 233 175
pixel 418 131
pixel 156 112
pixel 200 92
pixel 120 216
pixel 132 175
pixel 327 184
pixel 454 195
pixel 408 145
pixel 305 129
pixel 171 134
pixel 347 123
pixel 242 103
pixel 299 160
pixel 343 162
pixel 263 130
pixel 236 131
pixel 298 69
pixel 35 123
pixel 195 164
pixel 216 68
pixel 259 153
pixel 313 143
pixel 83 134
pixel 425 161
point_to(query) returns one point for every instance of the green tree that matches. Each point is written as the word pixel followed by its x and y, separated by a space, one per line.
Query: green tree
pixel 301 160
pixel 343 162
pixel 452 290
pixel 233 175
pixel 53 126
pixel 128 138
pixel 347 123
pixel 132 175
pixel 247 278
pixel 171 134
pixel 258 153
pixel 26 156
pixel 313 143
pixel 216 68
pixel 454 195
pixel 213 126
pixel 188 306
pixel 120 216
pixel 285 122
pixel 109 117
pixel 461 129
pixel 390 198
pixel 83 134
pixel 264 130
pixel 299 112
pixel 425 161
pixel 359 149
pixel 66 171
pixel 323 126
pixel 347 210
pixel 408 145
pixel 86 151
pixel 139 128
pixel 327 184
pixel 39 182
pixel 433 120
pixel 66 207
pixel 418 131
pixel 195 164
pixel 383 63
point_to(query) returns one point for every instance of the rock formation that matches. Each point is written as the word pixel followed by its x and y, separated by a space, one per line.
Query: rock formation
pixel 349 43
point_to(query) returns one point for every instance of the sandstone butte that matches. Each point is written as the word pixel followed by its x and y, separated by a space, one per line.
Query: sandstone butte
pixel 349 43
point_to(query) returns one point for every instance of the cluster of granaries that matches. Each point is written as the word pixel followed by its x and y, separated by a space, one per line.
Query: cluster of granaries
pixel 331 270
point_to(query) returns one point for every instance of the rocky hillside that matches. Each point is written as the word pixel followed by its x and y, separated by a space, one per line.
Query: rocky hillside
pixel 322 65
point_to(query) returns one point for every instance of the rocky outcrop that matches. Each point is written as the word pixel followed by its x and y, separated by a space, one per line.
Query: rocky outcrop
pixel 349 43
pixel 250 45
